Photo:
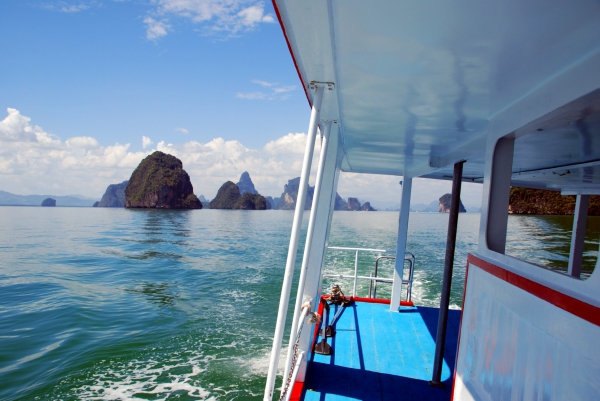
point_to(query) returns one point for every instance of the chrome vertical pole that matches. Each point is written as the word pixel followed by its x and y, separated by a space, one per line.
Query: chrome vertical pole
pixel 440 341
pixel 293 247
pixel 326 128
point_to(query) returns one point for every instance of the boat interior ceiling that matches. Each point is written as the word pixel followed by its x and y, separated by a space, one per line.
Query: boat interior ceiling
pixel 418 86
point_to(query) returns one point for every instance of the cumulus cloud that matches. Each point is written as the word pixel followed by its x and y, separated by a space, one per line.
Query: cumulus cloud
pixel 146 142
pixel 155 29
pixel 182 130
pixel 275 91
pixel 216 16
pixel 34 161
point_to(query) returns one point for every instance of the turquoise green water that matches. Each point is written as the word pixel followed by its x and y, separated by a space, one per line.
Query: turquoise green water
pixel 115 304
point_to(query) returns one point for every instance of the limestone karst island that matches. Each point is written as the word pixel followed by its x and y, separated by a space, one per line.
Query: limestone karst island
pixel 161 182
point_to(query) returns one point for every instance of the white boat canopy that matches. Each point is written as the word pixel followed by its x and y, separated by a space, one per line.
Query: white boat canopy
pixel 420 85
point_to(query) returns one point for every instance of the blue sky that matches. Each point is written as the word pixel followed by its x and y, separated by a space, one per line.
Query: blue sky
pixel 89 88
pixel 94 71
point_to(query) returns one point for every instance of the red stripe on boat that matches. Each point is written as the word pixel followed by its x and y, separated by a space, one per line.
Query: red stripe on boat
pixel 297 391
pixel 565 302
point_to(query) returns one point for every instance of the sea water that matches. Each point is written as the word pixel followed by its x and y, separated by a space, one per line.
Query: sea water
pixel 115 304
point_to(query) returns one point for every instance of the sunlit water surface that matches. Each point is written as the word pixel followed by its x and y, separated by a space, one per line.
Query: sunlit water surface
pixel 114 304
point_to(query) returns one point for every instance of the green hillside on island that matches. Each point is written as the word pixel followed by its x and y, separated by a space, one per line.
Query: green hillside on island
pixel 544 202
pixel 160 182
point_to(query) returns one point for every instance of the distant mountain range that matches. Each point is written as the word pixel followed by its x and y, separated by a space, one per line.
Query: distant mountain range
pixel 8 199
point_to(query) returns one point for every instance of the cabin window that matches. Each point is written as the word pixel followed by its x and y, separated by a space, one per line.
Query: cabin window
pixel 537 225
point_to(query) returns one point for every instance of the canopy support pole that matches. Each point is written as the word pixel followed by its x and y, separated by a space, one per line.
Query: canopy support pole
pixel 440 342
pixel 401 243
pixel 578 237
pixel 293 247
pixel 326 125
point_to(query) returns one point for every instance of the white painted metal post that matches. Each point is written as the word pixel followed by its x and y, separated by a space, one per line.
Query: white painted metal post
pixel 578 236
pixel 355 274
pixel 325 211
pixel 326 128
pixel 293 248
pixel 401 243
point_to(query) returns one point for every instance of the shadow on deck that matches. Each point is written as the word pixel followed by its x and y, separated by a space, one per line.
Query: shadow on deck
pixel 382 355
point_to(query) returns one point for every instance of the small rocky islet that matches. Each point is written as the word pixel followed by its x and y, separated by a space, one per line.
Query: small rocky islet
pixel 229 196
pixel 49 202
pixel 160 182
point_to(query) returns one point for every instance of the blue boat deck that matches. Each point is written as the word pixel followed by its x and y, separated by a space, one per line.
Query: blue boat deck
pixel 382 355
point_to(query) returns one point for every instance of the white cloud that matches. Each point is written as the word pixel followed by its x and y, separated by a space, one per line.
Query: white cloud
pixel 34 161
pixel 146 142
pixel 82 142
pixel 216 16
pixel 155 29
pixel 69 7
pixel 276 92
pixel 182 130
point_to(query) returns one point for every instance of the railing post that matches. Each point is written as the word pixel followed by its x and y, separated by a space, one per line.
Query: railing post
pixel 293 247
pixel 355 274
pixel 307 246
pixel 401 244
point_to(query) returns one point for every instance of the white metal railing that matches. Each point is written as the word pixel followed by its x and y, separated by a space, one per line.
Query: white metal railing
pixel 409 257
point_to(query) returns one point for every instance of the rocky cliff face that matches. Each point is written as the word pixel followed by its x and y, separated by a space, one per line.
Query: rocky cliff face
pixel 252 202
pixel 340 204
pixel 445 201
pixel 49 202
pixel 228 197
pixel 114 196
pixel 353 204
pixel 161 182
pixel 287 201
pixel 366 207
pixel 539 201
pixel 274 203
pixel 245 184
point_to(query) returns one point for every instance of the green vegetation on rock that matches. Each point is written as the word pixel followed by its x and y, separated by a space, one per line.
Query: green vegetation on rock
pixel 540 201
pixel 228 197
pixel 252 202
pixel 161 182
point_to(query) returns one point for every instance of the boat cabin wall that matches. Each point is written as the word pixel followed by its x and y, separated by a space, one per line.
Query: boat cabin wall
pixel 527 332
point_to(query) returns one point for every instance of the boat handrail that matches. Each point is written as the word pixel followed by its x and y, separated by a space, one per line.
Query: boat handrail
pixel 409 257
